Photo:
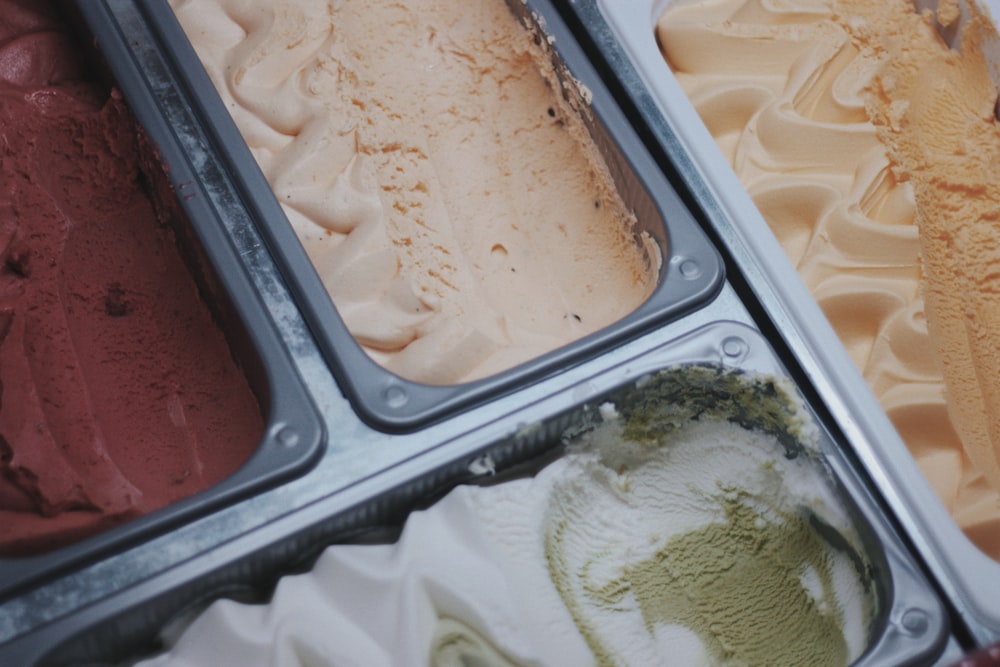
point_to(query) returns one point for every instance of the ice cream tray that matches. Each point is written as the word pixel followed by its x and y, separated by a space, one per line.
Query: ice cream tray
pixel 350 447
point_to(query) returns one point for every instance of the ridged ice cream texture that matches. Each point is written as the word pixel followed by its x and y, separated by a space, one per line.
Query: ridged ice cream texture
pixel 448 195
pixel 870 148
pixel 119 394
pixel 672 541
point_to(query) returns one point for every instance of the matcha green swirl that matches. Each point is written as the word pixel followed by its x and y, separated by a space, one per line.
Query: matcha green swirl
pixel 687 493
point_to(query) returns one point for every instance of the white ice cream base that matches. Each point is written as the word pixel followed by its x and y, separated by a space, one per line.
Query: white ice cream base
pixel 479 556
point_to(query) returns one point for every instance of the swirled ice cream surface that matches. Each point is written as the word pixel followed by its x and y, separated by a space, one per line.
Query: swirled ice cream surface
pixel 656 539
pixel 449 197
pixel 866 142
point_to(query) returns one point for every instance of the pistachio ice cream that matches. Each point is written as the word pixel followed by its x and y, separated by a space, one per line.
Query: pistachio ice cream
pixel 690 520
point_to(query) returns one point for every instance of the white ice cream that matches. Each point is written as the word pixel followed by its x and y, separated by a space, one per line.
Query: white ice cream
pixel 694 550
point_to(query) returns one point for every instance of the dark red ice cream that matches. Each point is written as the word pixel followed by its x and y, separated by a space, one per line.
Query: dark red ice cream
pixel 118 391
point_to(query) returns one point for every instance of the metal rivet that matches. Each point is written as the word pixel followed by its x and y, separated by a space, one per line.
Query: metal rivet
pixel 690 269
pixel 734 347
pixel 287 436
pixel 395 397
pixel 915 621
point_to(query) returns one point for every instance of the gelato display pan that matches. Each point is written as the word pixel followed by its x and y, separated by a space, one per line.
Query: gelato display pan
pixel 856 272
pixel 672 246
pixel 143 382
pixel 535 478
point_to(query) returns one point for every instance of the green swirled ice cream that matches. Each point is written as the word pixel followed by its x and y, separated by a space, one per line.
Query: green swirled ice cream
pixel 689 522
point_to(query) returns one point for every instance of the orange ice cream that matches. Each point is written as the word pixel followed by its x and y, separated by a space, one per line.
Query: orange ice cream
pixel 446 192
pixel 871 149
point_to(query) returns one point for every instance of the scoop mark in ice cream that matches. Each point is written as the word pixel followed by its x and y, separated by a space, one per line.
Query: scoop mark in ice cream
pixel 766 567
pixel 752 583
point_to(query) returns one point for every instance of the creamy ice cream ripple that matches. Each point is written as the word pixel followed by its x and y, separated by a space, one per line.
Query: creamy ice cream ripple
pixel 856 154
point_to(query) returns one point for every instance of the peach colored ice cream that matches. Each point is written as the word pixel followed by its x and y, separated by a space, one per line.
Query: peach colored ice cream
pixel 446 192
pixel 871 149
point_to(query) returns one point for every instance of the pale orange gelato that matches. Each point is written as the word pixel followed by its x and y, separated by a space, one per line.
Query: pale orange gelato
pixel 871 149
pixel 447 193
